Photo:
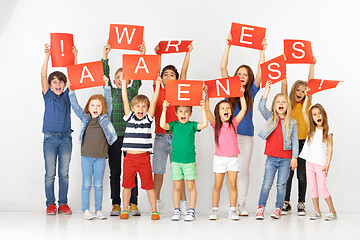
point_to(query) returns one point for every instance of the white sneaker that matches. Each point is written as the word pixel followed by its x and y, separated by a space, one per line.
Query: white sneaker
pixel 176 215
pixel 88 215
pixel 158 205
pixel 100 216
pixel 233 214
pixel 183 207
pixel 330 217
pixel 241 210
pixel 214 214
pixel 190 216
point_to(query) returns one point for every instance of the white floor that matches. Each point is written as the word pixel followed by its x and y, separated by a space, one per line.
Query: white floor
pixel 36 225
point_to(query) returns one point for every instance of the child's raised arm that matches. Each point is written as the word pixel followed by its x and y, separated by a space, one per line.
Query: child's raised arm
pixel 304 108
pixel 262 103
pixel 209 114
pixel 185 65
pixel 261 61
pixel 284 82
pixel 125 95
pixel 225 58
pixel 155 97
pixel 204 123
pixel 75 52
pixel 242 112
pixel 142 48
pixel 155 49
pixel 311 75
pixel 44 82
pixel 163 124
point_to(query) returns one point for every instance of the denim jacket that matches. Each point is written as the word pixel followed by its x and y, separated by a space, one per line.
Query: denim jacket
pixel 104 120
pixel 290 142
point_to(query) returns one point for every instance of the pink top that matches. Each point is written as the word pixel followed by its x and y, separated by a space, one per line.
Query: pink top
pixel 228 145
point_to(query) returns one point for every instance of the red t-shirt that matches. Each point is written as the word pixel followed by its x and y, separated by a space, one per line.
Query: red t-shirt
pixel 170 112
pixel 275 145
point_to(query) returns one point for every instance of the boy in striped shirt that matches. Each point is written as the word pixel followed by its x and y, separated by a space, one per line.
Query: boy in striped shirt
pixel 138 145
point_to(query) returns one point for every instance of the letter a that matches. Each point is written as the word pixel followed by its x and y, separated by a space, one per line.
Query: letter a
pixel 226 90
pixel 86 76
pixel 144 65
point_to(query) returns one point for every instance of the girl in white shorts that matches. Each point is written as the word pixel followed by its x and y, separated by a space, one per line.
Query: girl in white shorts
pixel 226 152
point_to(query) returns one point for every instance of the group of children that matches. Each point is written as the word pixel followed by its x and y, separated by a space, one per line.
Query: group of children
pixel 120 122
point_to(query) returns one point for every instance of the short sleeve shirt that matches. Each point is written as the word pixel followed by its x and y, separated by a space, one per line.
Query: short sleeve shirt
pixel 183 142
pixel 228 145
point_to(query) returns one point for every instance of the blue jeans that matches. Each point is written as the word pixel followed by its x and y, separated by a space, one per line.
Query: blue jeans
pixel 57 150
pixel 92 167
pixel 162 149
pixel 282 165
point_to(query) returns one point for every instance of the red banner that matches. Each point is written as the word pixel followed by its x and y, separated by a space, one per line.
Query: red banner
pixel 274 70
pixel 298 51
pixel 247 36
pixel 86 75
pixel 61 49
pixel 225 87
pixel 318 85
pixel 173 46
pixel 184 92
pixel 140 67
pixel 127 37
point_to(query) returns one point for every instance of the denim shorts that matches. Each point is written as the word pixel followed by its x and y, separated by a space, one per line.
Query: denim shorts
pixel 185 171
pixel 162 149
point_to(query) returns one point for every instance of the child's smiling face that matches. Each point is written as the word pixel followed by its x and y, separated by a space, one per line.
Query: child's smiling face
pixel 317 117
pixel 140 109
pixel 225 111
pixel 183 113
pixel 300 93
pixel 57 86
pixel 95 108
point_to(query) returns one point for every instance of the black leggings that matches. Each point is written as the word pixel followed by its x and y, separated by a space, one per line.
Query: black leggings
pixel 301 176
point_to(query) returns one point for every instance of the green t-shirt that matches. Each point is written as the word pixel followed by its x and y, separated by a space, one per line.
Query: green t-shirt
pixel 183 142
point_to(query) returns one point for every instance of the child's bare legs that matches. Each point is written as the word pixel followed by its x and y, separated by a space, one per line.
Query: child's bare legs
pixel 152 199
pixel 330 205
pixel 232 178
pixel 316 204
pixel 219 179
pixel 192 193
pixel 126 198
pixel 158 182
pixel 177 186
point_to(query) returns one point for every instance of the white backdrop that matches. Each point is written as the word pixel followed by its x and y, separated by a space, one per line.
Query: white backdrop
pixel 25 27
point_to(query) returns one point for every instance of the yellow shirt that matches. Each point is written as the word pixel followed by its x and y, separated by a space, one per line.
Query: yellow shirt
pixel 297 114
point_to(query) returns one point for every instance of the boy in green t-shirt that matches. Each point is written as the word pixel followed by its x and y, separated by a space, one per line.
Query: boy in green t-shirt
pixel 183 164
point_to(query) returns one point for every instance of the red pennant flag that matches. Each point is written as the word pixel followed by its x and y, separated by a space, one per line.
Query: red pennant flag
pixel 86 75
pixel 225 87
pixel 61 49
pixel 247 36
pixel 274 70
pixel 140 67
pixel 184 93
pixel 173 46
pixel 127 37
pixel 318 85
pixel 298 51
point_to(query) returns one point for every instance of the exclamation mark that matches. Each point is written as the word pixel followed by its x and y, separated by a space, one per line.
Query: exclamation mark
pixel 62 47
pixel 321 83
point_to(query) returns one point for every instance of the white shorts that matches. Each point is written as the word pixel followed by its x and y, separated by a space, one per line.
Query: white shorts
pixel 225 164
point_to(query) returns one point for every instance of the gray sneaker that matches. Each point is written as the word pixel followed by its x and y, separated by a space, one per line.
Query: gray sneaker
pixel 115 210
pixel 301 209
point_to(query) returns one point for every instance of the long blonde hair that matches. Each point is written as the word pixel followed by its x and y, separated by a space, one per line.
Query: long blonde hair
pixel 325 125
pixel 275 117
pixel 294 89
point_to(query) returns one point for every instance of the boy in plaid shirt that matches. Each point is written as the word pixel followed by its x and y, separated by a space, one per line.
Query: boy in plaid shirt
pixel 117 120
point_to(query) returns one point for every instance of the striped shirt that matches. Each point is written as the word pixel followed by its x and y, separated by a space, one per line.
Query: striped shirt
pixel 138 133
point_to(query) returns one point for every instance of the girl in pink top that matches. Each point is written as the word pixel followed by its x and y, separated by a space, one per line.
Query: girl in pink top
pixel 227 150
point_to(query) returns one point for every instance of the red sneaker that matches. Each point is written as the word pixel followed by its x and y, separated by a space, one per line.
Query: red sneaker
pixel 260 213
pixel 51 210
pixel 276 213
pixel 65 209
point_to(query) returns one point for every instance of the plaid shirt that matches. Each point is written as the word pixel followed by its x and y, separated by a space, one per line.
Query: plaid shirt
pixel 118 112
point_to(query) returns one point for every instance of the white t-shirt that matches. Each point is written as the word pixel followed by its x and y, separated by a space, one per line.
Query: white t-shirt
pixel 317 151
